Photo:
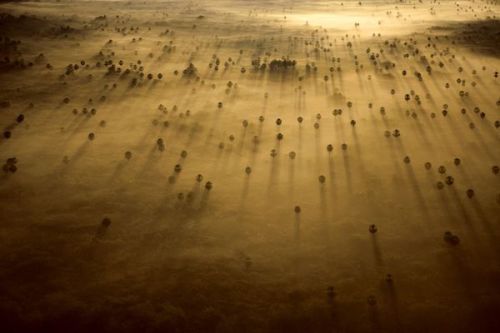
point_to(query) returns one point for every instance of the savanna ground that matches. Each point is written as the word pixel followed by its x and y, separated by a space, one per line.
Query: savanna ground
pixel 105 225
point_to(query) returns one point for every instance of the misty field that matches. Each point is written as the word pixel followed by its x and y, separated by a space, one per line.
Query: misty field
pixel 250 166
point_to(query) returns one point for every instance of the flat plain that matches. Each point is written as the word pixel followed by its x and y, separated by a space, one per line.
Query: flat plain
pixel 250 166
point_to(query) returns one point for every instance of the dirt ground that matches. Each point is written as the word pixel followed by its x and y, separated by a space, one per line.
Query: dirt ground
pixel 249 166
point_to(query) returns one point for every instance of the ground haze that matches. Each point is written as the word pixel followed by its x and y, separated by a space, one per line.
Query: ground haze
pixel 249 166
